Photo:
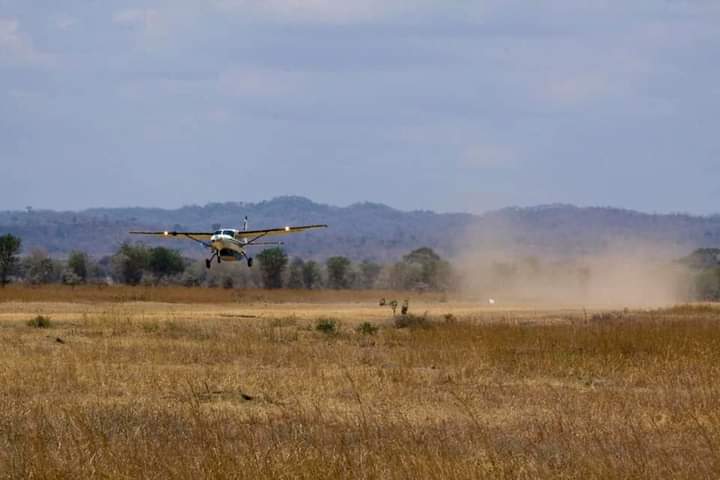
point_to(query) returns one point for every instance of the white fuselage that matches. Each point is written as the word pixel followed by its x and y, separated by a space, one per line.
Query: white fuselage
pixel 224 240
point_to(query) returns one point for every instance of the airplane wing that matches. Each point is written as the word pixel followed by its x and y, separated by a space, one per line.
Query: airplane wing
pixel 252 235
pixel 197 236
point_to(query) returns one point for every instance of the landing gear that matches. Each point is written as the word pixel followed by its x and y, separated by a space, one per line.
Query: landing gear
pixel 248 259
pixel 208 261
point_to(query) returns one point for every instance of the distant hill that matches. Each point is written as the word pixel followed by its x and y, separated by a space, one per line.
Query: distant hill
pixel 369 230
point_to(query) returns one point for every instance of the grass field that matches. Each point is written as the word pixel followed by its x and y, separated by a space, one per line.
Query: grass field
pixel 189 383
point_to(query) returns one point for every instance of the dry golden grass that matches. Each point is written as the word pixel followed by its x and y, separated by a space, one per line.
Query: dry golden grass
pixel 159 390
pixel 175 294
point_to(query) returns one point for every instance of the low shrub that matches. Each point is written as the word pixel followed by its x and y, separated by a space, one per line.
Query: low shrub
pixel 40 321
pixel 412 321
pixel 367 328
pixel 327 326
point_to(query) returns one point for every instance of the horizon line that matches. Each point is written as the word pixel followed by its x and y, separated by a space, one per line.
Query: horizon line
pixel 542 206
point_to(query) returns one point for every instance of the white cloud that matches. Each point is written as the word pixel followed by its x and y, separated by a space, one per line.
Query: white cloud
pixel 16 48
pixel 23 95
pixel 325 11
pixel 64 21
pixel 256 82
pixel 146 20
pixel 570 72
pixel 484 156
pixel 155 28
pixel 579 88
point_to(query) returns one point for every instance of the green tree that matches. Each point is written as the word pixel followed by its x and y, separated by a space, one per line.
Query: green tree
pixel 338 269
pixel 423 267
pixel 68 277
pixel 707 285
pixel 369 273
pixel 164 262
pixel 273 262
pixel 78 264
pixel 295 280
pixel 9 249
pixel 405 275
pixel 40 269
pixel 310 275
pixel 194 275
pixel 129 263
pixel 703 258
pixel 705 265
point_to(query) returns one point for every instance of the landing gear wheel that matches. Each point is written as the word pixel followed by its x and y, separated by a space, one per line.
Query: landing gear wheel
pixel 218 257
pixel 207 263
pixel 250 262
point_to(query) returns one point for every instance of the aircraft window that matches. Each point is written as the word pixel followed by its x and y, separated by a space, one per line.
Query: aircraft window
pixel 229 233
pixel 218 232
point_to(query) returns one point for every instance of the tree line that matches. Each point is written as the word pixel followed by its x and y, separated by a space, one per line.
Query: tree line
pixel 704 263
pixel 421 269
pixel 138 264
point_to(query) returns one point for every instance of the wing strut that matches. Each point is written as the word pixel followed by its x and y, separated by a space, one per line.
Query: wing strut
pixel 250 242
pixel 205 244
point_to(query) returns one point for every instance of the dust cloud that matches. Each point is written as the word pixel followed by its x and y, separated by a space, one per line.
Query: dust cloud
pixel 504 265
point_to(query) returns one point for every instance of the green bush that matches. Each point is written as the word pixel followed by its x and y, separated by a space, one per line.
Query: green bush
pixel 327 326
pixel 40 322
pixel 367 328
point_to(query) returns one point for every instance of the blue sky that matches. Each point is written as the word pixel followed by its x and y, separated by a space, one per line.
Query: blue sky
pixel 448 105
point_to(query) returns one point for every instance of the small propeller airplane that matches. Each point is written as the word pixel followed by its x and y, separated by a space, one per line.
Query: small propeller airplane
pixel 229 244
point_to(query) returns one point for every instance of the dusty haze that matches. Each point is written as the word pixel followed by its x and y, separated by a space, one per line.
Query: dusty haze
pixel 623 272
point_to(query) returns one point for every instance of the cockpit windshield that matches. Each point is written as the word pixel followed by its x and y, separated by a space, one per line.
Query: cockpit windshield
pixel 218 232
pixel 229 233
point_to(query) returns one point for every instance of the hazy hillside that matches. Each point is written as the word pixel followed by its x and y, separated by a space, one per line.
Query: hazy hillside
pixel 369 230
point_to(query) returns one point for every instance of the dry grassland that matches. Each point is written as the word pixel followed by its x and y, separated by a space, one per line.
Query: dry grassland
pixel 252 390
pixel 173 294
